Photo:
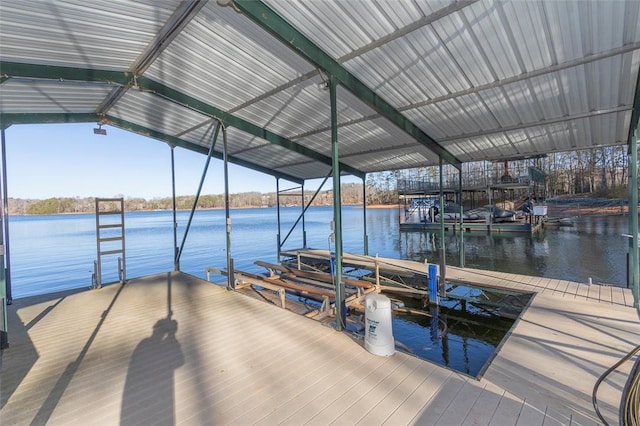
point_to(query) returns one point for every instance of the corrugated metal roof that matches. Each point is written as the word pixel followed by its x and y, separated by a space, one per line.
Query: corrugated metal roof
pixel 479 79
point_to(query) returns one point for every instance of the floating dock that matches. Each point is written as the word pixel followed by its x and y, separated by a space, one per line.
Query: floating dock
pixel 417 271
pixel 499 227
pixel 172 348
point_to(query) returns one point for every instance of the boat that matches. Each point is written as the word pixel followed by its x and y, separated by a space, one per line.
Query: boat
pixel 452 214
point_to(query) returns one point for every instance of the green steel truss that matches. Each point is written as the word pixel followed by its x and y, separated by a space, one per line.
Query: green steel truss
pixel 14 69
pixel 8 119
pixel 287 34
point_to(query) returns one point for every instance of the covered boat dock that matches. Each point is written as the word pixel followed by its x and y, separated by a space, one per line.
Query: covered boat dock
pixel 175 349
pixel 305 90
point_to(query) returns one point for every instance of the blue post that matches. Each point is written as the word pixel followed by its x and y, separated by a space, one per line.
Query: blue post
pixel 433 285
pixel 332 263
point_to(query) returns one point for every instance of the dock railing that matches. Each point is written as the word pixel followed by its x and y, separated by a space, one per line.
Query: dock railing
pixel 472 180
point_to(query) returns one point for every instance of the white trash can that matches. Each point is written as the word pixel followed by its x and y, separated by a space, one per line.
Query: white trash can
pixel 378 335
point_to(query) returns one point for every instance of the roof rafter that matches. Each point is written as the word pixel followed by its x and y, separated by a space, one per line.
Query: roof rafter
pixel 425 20
pixel 183 14
pixel 494 84
pixel 528 75
pixel 125 78
pixel 264 16
pixel 548 122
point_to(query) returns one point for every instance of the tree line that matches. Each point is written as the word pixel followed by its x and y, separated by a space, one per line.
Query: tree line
pixel 598 172
pixel 601 172
pixel 351 193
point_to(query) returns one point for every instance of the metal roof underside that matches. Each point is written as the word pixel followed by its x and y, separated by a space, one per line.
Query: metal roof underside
pixel 419 80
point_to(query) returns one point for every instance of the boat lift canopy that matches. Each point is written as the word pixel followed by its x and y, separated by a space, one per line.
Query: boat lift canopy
pixel 305 89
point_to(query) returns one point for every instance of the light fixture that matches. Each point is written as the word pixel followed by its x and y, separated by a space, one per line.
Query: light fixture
pixel 324 84
pixel 100 131
pixel 225 3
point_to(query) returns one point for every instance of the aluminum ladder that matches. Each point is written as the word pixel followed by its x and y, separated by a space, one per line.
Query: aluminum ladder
pixel 109 231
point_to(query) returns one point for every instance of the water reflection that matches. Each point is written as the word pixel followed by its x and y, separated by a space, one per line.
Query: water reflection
pixel 60 254
pixel 593 248
pixel 463 332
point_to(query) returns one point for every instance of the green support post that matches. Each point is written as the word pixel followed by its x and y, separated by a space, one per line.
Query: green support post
pixel 278 216
pixel 231 282
pixel 364 216
pixel 5 284
pixel 176 261
pixel 443 256
pixel 634 273
pixel 461 219
pixel 337 206
pixel 304 229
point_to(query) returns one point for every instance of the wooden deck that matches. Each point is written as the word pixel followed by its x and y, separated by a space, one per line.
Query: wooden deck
pixel 494 228
pixel 560 288
pixel 174 349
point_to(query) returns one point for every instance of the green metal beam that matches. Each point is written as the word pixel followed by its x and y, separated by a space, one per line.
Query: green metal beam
pixel 123 78
pixel 287 34
pixel 8 119
pixel 239 123
pixel 44 118
pixel 632 153
pixel 21 70
pixel 635 113
pixel 337 209
pixel 174 141
pixel 634 256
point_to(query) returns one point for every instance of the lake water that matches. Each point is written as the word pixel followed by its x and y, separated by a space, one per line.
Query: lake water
pixel 52 253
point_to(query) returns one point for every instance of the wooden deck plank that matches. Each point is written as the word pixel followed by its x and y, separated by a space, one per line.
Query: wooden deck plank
pixel 233 359
pixel 508 410
pixel 394 400
pixel 318 375
pixel 618 297
pixel 550 286
pixel 582 291
pixel 441 402
pixel 390 389
pixel 311 402
pixel 606 293
pixel 530 416
pixel 593 292
pixel 539 282
pixel 463 402
pixel 419 400
pixel 560 287
pixel 572 289
pixel 570 355
pixel 339 407
pixel 327 396
pixel 484 406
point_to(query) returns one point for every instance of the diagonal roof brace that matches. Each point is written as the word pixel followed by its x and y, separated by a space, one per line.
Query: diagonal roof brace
pixel 635 114
pixel 181 17
pixel 264 16
pixel 13 69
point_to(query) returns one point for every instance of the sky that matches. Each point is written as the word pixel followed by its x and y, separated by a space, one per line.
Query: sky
pixel 69 160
